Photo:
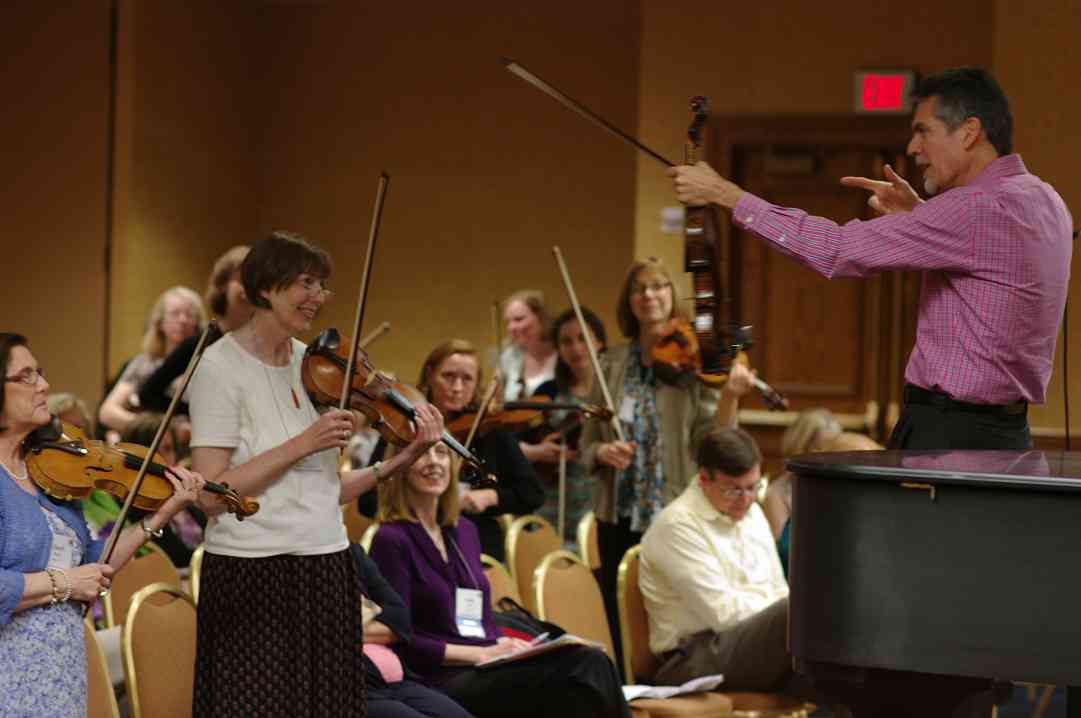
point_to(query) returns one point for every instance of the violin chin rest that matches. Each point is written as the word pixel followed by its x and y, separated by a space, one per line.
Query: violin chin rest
pixel 328 340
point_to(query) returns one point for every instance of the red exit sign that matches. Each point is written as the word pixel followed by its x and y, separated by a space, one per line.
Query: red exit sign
pixel 883 92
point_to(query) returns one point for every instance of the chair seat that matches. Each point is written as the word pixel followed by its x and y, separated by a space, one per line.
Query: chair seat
pixel 695 705
pixel 749 704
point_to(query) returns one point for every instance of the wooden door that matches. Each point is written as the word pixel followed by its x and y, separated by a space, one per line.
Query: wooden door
pixel 841 343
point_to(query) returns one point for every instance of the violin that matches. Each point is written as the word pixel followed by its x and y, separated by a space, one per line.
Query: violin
pixel 707 349
pixel 678 360
pixel 715 341
pixel 66 466
pixel 520 416
pixel 387 404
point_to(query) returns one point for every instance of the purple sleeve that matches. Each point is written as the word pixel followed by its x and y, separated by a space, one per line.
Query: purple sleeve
pixel 392 553
pixel 936 235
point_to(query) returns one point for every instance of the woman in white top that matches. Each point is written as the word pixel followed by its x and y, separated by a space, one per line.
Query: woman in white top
pixel 530 359
pixel 279 620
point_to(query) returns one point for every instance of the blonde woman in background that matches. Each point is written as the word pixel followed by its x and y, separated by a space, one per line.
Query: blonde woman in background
pixel 530 359
pixel 177 314
pixel 808 433
pixel 814 430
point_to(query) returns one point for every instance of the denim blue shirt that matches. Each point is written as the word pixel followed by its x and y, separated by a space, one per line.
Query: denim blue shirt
pixel 26 541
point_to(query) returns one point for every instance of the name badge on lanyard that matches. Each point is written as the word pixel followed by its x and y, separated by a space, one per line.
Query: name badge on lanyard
pixel 64 552
pixel 626 409
pixel 468 611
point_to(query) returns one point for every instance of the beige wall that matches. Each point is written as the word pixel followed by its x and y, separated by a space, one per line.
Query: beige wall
pixel 187 169
pixel 55 74
pixel 1036 61
pixel 486 172
pixel 777 58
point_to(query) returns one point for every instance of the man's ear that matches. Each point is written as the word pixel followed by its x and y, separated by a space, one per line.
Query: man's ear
pixel 703 476
pixel 973 131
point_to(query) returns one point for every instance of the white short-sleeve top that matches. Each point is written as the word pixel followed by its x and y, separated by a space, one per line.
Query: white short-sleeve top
pixel 240 403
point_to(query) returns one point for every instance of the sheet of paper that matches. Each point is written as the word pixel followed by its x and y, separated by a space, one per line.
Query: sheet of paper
pixel 695 685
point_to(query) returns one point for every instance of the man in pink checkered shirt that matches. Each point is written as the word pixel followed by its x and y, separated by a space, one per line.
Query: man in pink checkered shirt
pixel 994 246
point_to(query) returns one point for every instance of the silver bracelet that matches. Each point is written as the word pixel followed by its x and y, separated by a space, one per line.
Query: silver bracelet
pixel 149 532
pixel 375 471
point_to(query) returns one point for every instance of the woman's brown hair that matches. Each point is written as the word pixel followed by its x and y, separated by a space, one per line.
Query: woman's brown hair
pixel 439 355
pixel 227 266
pixel 275 263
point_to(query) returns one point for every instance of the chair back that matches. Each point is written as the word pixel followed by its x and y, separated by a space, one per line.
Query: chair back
pixel 639 664
pixel 500 580
pixel 529 539
pixel 153 567
pixel 158 645
pixel 356 523
pixel 587 541
pixel 100 698
pixel 195 569
pixel 567 594
pixel 369 536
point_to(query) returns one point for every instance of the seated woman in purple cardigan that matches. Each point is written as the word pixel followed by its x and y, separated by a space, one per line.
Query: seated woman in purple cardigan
pixel 430 555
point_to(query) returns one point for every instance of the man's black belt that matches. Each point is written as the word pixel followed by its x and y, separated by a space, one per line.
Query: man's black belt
pixel 918 395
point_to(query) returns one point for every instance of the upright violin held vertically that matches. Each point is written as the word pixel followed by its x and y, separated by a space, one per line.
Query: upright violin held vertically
pixel 706 350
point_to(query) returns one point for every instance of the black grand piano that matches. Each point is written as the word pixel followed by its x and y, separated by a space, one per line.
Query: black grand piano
pixel 918 575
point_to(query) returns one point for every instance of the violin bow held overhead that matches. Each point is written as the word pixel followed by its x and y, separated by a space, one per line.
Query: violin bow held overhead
pixel 597 373
pixel 576 106
pixel 720 342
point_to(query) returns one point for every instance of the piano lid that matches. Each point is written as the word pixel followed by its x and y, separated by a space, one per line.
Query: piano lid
pixel 1034 469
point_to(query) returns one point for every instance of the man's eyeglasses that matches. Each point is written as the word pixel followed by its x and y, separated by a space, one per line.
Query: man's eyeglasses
pixel 28 376
pixel 737 492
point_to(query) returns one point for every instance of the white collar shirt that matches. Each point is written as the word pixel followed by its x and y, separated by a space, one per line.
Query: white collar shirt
pixel 701 570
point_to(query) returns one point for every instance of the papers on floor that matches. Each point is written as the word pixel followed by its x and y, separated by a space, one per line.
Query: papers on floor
pixel 697 685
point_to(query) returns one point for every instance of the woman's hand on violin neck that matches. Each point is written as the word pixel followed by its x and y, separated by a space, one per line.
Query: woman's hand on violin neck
pixel 617 454
pixel 89 580
pixel 332 431
pixel 186 487
pixel 428 423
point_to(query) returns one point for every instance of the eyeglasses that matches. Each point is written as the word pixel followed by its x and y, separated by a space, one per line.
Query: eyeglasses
pixel 314 287
pixel 737 492
pixel 28 376
pixel 655 287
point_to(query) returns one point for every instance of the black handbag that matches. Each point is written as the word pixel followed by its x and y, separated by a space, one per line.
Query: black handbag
pixel 513 620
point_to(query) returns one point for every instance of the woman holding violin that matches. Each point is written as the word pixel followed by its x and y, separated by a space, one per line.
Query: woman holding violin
pixel 279 619
pixel 663 423
pixel 450 379
pixel 573 383
pixel 49 566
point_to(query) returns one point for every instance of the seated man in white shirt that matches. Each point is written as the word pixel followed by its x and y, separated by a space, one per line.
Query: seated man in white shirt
pixel 711 577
